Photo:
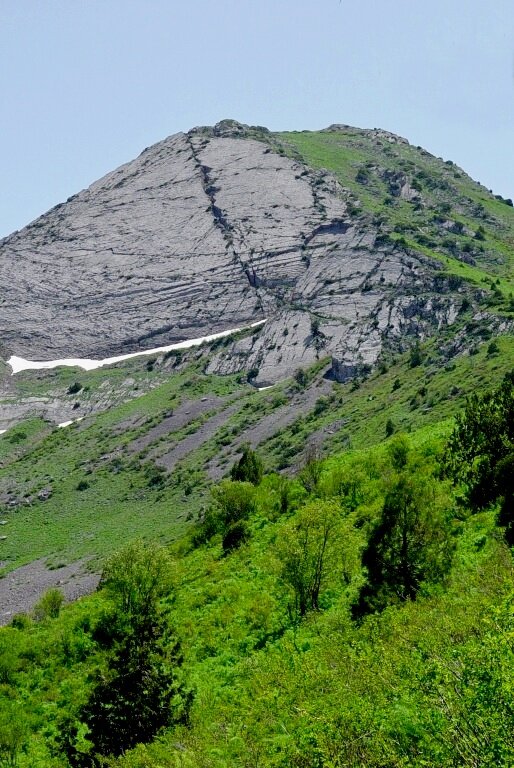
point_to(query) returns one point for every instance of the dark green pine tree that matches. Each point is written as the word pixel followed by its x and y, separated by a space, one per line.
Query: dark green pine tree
pixel 141 690
pixel 410 545
pixel 249 467
pixel 505 482
pixel 483 438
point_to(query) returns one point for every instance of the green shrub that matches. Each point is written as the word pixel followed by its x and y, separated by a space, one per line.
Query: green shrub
pixel 301 378
pixel 479 451
pixel 389 428
pixel 249 468
pixel 21 621
pixel 142 690
pixel 416 356
pixel 305 547
pixel 49 606
pixel 233 501
pixel 17 437
pixel 409 545
pixel 235 535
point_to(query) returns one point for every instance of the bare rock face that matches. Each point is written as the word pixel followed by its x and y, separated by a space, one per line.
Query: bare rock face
pixel 206 231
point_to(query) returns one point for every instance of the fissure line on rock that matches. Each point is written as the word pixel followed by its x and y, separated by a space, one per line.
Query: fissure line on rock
pixel 221 221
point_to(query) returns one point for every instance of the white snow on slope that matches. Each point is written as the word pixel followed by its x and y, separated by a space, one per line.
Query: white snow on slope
pixel 19 364
pixel 71 421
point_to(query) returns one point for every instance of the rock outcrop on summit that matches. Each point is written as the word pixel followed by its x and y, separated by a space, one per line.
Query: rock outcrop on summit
pixel 204 231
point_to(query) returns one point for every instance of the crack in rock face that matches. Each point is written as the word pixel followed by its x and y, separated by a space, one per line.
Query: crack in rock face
pixel 206 231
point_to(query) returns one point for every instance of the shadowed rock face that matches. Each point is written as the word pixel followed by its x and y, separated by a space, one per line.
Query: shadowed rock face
pixel 202 232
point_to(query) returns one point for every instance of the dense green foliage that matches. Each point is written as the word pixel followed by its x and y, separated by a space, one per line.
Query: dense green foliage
pixel 139 690
pixel 264 634
pixel 481 451
pixel 249 468
pixel 410 544
pixel 307 551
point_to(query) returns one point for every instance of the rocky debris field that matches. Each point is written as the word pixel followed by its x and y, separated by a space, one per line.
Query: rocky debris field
pixel 21 589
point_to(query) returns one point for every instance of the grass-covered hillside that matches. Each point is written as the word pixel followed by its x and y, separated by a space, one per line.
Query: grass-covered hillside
pixel 356 613
pixel 144 467
pixel 426 204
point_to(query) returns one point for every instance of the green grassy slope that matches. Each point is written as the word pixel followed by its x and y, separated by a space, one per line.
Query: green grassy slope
pixel 455 221
pixel 102 493
pixel 409 686
pixel 121 495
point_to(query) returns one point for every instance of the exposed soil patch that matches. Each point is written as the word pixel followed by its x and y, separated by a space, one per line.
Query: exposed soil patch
pixel 21 589
pixel 192 442
pixel 183 415
pixel 269 425
pixel 319 436
pixel 132 422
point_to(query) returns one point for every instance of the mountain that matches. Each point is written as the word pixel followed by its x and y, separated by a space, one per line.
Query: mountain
pixel 348 242
pixel 302 557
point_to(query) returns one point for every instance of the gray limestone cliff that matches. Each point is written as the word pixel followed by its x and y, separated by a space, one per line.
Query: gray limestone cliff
pixel 206 231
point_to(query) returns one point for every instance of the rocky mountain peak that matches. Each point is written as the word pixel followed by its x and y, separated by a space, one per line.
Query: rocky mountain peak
pixel 229 128
pixel 218 228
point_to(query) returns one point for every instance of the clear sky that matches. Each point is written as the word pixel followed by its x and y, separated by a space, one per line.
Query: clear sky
pixel 86 84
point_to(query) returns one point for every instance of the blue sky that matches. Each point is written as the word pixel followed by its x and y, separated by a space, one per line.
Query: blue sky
pixel 87 84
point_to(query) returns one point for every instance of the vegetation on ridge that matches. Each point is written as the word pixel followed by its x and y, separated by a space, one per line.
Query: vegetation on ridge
pixel 419 202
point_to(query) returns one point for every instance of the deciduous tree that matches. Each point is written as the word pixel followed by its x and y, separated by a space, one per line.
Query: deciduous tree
pixel 305 549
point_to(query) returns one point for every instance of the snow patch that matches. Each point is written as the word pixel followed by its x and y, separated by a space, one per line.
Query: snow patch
pixel 71 421
pixel 18 364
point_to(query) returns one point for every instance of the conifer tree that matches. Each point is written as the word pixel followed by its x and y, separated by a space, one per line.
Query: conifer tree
pixel 141 690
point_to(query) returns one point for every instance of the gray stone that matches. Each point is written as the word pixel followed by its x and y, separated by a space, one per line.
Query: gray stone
pixel 206 231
